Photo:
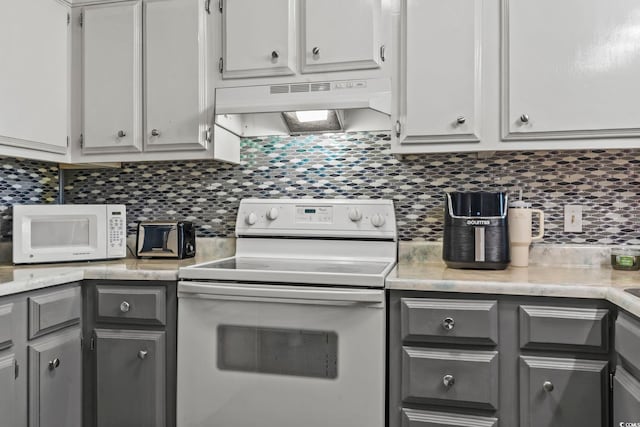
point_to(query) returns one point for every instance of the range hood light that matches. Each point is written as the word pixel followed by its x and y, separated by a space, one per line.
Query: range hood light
pixel 312 116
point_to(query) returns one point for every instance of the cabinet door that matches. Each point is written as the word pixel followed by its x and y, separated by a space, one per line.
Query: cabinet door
pixel 55 375
pixel 340 35
pixel 8 395
pixel 34 75
pixel 112 78
pixel 440 71
pixel 571 69
pixel 558 392
pixel 175 75
pixel 626 398
pixel 130 378
pixel 258 38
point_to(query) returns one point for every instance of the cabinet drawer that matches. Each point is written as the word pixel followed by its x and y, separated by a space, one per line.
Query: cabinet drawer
pixel 414 418
pixel 450 377
pixel 563 392
pixel 130 304
pixel 449 320
pixel 561 327
pixel 628 340
pixel 6 325
pixel 53 311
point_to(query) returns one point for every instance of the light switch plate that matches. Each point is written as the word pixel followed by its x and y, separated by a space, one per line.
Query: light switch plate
pixel 572 218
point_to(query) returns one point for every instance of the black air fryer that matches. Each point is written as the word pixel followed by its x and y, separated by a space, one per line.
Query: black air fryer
pixel 476 231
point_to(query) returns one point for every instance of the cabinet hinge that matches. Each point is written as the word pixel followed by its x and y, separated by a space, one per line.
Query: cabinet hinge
pixel 16 369
pixel 398 128
pixel 207 136
pixel 92 344
pixel 220 5
pixel 81 19
pixel 81 141
pixel 220 65
pixel 611 375
pixel 207 6
pixel 67 141
pixel 382 53
pixel 68 18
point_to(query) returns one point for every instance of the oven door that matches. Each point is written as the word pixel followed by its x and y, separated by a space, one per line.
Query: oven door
pixel 285 356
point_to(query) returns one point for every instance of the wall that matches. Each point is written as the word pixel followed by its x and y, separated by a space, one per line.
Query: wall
pixel 24 181
pixel 359 165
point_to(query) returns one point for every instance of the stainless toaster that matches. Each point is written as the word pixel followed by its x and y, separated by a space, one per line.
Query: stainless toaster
pixel 166 239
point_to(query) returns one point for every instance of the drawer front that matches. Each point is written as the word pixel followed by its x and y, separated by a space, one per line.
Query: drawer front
pixel 449 320
pixel 626 398
pixel 628 339
pixel 414 418
pixel 563 392
pixel 450 377
pixel 562 327
pixel 6 325
pixel 130 304
pixel 53 311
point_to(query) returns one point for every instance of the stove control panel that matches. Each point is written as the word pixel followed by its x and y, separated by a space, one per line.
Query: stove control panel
pixel 334 218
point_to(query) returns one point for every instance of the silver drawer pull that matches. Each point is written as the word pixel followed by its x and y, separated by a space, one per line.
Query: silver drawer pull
pixel 53 364
pixel 125 307
pixel 448 380
pixel 548 386
pixel 142 354
pixel 448 323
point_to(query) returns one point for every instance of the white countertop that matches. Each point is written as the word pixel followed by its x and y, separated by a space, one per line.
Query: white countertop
pixel 574 282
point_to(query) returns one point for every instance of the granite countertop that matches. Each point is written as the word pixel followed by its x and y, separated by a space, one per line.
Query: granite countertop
pixel 23 278
pixel 551 281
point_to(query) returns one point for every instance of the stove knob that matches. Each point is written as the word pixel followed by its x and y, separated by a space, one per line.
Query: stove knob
pixel 272 214
pixel 355 215
pixel 251 219
pixel 377 220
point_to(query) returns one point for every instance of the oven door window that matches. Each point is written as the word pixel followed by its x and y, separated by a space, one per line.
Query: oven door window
pixel 278 351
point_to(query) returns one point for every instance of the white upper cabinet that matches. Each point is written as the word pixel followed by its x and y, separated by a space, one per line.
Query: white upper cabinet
pixel 175 79
pixel 112 77
pixel 34 79
pixel 440 72
pixel 339 35
pixel 258 38
pixel 571 69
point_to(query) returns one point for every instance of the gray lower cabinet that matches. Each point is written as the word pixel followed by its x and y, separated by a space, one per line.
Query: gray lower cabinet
pixel 55 380
pixel 8 390
pixel 130 373
pixel 626 398
pixel 130 362
pixel 559 392
pixel 497 360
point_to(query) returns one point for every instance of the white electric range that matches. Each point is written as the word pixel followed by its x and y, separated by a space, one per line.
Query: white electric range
pixel 291 330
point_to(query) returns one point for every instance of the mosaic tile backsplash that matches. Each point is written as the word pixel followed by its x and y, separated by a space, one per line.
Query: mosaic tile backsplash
pixel 359 165
pixel 24 181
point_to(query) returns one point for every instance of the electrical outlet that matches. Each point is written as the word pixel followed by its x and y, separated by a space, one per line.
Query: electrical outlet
pixel 572 218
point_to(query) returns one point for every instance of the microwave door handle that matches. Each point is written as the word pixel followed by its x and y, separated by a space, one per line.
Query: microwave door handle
pixel 336 296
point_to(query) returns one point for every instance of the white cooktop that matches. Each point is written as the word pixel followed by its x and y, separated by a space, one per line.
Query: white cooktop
pixel 308 241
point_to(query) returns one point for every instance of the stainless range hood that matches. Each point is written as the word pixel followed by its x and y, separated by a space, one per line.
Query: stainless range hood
pixel 300 108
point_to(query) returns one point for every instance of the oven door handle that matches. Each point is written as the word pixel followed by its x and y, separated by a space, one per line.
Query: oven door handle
pixel 206 290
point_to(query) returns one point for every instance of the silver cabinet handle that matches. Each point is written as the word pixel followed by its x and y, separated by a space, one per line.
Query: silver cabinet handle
pixel 53 364
pixel 125 307
pixel 121 134
pixel 548 386
pixel 275 55
pixel 448 380
pixel 142 354
pixel 524 118
pixel 448 323
pixel 461 120
pixel 155 132
pixel 315 51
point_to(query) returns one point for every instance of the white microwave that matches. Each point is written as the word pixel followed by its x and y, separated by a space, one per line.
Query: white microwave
pixel 55 233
